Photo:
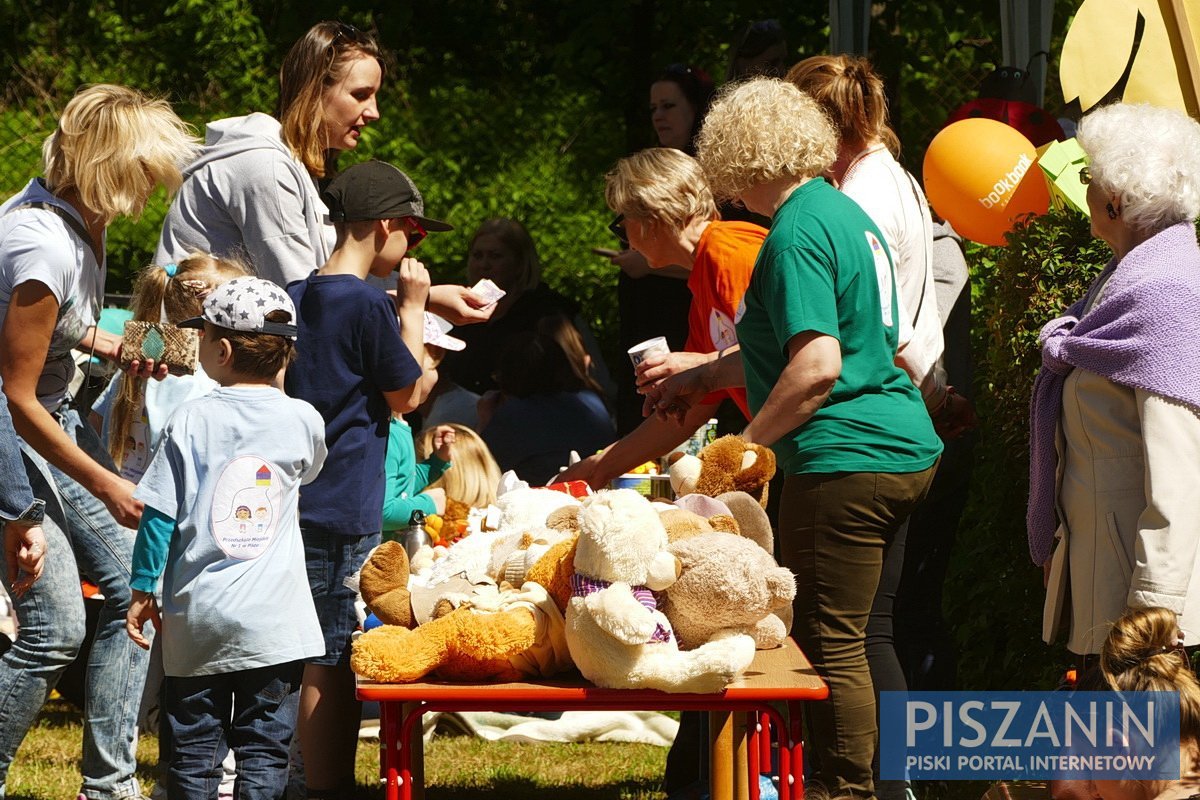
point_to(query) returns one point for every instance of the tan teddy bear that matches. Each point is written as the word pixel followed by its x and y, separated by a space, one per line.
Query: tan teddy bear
pixel 727 583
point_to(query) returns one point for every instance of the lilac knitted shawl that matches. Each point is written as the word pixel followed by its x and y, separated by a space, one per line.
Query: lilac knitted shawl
pixel 1144 333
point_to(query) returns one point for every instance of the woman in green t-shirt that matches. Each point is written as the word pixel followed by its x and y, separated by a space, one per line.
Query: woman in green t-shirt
pixel 819 330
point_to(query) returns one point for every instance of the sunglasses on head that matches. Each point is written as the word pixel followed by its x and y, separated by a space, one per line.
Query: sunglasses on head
pixel 349 33
pixel 617 227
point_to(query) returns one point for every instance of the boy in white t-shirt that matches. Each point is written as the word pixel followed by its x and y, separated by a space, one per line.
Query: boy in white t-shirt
pixel 221 495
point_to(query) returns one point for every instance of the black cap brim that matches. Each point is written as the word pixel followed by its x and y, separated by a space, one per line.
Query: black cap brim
pixel 434 224
pixel 191 322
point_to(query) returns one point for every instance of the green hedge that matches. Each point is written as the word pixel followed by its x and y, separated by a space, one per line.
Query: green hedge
pixel 994 594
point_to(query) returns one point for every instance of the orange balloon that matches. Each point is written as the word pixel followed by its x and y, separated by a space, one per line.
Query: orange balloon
pixel 981 176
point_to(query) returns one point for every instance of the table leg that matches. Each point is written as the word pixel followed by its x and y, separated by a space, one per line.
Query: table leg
pixel 754 767
pixel 796 734
pixel 412 786
pixel 741 771
pixel 720 762
pixel 389 732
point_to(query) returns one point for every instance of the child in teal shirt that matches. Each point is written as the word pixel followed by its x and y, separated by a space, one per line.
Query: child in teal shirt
pixel 406 477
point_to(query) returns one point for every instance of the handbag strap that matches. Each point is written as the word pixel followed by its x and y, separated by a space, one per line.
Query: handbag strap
pixel 912 184
pixel 74 224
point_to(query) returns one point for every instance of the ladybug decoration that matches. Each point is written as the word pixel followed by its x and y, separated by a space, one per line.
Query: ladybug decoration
pixel 998 100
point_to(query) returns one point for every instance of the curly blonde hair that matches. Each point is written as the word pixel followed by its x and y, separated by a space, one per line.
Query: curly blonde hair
pixel 113 145
pixel 762 130
pixel 661 184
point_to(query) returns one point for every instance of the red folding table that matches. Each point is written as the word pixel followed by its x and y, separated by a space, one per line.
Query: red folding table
pixel 743 719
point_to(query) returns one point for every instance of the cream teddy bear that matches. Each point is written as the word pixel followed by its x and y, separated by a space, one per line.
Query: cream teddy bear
pixel 616 636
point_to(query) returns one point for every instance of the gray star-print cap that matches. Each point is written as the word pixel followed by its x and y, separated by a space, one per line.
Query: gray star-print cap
pixel 242 304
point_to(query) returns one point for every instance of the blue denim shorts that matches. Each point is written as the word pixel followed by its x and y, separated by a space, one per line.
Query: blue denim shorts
pixel 331 559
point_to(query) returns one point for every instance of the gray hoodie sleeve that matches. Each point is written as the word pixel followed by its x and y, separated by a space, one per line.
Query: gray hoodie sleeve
pixel 246 196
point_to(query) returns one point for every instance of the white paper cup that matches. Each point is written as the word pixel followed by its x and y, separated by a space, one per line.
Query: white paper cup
pixel 638 353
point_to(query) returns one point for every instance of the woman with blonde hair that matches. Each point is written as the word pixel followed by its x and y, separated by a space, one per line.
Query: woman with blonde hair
pixel 670 217
pixel 112 147
pixel 818 336
pixel 475 476
pixel 1115 417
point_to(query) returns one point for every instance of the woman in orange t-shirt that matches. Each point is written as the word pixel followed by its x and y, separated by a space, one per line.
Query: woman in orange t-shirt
pixel 669 216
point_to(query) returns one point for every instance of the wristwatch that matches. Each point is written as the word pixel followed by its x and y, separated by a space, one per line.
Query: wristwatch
pixel 32 515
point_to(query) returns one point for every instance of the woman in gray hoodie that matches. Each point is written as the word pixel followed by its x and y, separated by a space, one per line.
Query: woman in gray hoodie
pixel 253 191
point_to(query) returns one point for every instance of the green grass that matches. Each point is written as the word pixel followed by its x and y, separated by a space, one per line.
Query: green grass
pixel 47 766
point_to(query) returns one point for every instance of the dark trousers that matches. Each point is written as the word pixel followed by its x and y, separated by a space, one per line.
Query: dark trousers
pixel 833 530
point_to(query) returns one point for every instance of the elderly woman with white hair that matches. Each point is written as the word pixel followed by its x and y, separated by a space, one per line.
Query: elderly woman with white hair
pixel 818 330
pixel 1115 427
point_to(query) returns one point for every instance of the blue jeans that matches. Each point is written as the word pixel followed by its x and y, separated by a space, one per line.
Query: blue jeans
pixel 251 711
pixel 331 559
pixel 81 536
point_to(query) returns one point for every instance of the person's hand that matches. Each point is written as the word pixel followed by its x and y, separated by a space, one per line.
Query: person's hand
pixel 119 500
pixel 956 417
pixel 458 305
pixel 24 555
pixel 143 608
pixel 486 406
pixel 146 369
pixel 582 470
pixel 443 442
pixel 632 263
pixel 673 397
pixel 412 284
pixel 438 496
pixel 658 366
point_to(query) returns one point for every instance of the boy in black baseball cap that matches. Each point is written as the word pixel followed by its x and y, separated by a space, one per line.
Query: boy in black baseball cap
pixel 356 363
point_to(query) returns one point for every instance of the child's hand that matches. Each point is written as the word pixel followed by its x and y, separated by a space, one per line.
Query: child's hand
pixel 412 285
pixel 443 442
pixel 142 609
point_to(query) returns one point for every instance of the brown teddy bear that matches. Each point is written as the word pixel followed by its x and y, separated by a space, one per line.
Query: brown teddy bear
pixel 730 464
pixel 495 633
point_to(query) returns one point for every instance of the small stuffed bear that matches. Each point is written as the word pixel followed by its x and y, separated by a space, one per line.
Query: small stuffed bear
pixel 616 635
pixel 496 633
pixel 727 465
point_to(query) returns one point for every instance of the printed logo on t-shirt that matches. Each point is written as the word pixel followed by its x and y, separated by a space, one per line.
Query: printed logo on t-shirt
pixel 245 507
pixel 721 330
pixel 883 272
pixel 741 311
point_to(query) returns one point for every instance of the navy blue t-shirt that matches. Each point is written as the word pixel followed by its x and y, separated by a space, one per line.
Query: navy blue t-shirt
pixel 348 353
